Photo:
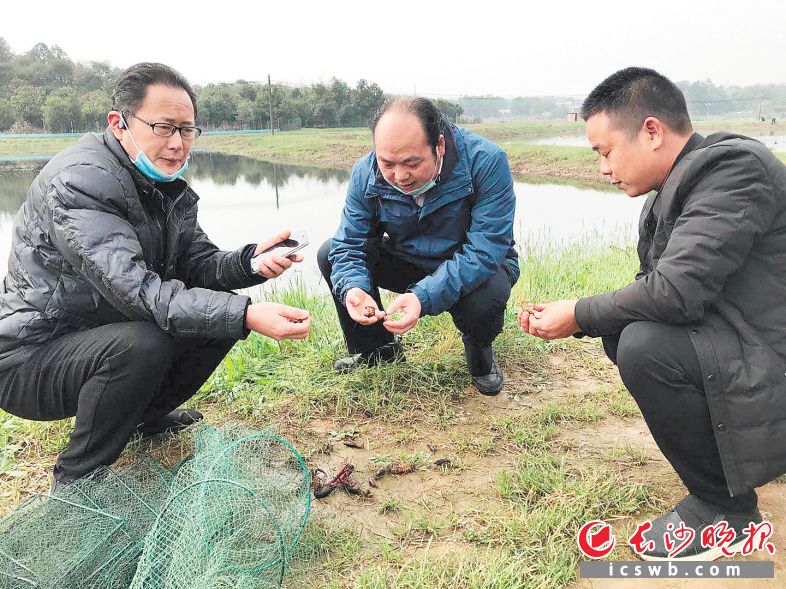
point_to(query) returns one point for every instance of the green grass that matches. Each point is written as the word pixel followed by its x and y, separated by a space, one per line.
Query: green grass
pixel 34 438
pixel 339 148
pixel 261 377
pixel 420 527
pixel 9 442
pixel 517 530
pixel 34 146
pixel 628 455
pixel 522 534
pixel 331 148
pixel 501 131
pixel 548 501
pixel 390 505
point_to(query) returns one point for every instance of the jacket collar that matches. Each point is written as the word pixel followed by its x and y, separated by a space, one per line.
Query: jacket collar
pixel 694 142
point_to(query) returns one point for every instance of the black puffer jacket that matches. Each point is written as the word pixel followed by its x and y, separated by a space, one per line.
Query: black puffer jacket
pixel 713 259
pixel 96 242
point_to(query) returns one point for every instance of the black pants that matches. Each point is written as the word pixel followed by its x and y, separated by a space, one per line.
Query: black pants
pixel 479 316
pixel 112 378
pixel 659 366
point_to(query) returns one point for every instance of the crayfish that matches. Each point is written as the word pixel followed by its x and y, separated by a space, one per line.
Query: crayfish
pixel 323 487
pixel 528 307
pixel 392 468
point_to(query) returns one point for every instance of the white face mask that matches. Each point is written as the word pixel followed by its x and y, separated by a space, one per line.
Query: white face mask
pixel 416 192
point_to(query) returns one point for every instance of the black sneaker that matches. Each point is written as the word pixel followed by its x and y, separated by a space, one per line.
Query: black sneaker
pixel 490 384
pixel 173 422
pixel 695 513
pixel 391 352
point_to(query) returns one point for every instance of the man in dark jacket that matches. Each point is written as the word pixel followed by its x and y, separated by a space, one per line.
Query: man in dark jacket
pixel 429 214
pixel 117 307
pixel 700 337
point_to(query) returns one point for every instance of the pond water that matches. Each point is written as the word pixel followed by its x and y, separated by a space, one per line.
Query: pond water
pixel 774 142
pixel 244 201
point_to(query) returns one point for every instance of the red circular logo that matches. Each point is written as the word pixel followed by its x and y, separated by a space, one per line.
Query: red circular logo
pixel 595 539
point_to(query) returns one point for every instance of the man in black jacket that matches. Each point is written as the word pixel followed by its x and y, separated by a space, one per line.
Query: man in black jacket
pixel 700 336
pixel 117 307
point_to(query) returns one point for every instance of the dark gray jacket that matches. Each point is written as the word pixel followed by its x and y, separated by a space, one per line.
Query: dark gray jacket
pixel 713 259
pixel 96 242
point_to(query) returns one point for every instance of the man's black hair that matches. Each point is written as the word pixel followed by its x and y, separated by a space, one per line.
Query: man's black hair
pixel 131 86
pixel 426 112
pixel 632 94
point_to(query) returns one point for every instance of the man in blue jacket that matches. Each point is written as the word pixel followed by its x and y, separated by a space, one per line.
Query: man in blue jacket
pixel 429 214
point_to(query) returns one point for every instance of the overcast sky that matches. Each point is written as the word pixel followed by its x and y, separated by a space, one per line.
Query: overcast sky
pixel 435 48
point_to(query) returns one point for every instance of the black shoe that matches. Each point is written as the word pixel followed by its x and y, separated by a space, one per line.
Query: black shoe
pixel 490 384
pixel 697 514
pixel 173 422
pixel 392 352
pixel 482 366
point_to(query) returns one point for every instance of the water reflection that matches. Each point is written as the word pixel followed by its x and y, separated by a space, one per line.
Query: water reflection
pixel 244 201
pixel 562 141
pixel 15 179
pixel 227 170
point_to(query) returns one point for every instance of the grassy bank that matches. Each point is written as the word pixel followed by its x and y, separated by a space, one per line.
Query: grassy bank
pixel 518 474
pixel 562 444
pixel 10 148
pixel 339 148
pixel 502 512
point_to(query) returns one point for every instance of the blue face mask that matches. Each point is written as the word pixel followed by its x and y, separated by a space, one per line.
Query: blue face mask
pixel 416 192
pixel 147 167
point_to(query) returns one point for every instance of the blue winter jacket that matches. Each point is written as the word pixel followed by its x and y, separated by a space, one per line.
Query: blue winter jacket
pixel 461 235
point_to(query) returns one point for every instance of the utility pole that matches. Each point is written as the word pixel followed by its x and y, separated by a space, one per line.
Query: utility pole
pixel 761 99
pixel 270 102
pixel 275 183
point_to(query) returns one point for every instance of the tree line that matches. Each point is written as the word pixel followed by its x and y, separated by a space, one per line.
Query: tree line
pixel 703 98
pixel 44 90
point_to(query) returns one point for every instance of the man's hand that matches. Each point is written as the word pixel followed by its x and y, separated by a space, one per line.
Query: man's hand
pixel 526 312
pixel 409 305
pixel 551 320
pixel 272 265
pixel 362 307
pixel 278 321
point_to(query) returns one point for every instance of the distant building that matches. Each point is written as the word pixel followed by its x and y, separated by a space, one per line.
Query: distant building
pixel 572 116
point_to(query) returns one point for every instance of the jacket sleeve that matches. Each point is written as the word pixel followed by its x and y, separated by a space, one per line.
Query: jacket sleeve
pixel 90 229
pixel 349 249
pixel 727 210
pixel 206 266
pixel 489 239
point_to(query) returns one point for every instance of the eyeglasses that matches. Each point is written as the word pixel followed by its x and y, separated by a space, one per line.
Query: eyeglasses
pixel 168 129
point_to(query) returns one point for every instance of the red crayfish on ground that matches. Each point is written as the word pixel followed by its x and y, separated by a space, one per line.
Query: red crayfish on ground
pixel 323 487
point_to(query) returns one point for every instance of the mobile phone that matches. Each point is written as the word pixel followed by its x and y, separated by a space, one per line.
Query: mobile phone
pixel 296 242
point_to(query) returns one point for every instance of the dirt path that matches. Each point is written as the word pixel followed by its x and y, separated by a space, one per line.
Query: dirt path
pixel 434 506
pixel 463 491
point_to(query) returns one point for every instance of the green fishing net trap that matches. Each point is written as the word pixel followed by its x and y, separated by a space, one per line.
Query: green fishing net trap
pixel 228 515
